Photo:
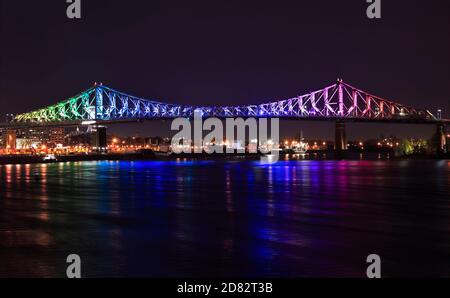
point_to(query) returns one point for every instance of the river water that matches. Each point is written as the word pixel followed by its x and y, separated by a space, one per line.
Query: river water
pixel 225 218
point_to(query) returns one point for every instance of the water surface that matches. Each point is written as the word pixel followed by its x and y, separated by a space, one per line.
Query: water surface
pixel 225 218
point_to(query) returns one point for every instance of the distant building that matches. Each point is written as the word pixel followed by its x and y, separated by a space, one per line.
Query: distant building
pixel 31 138
pixel 79 139
pixel 2 138
pixel 98 138
pixel 154 141
pixel 23 143
pixel 56 135
pixel 36 137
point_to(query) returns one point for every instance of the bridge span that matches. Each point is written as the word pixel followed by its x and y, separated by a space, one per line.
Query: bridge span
pixel 338 102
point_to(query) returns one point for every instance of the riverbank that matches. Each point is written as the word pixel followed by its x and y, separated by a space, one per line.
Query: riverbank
pixel 32 159
pixel 150 155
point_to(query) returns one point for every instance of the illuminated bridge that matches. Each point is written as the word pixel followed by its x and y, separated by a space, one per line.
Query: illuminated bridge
pixel 339 102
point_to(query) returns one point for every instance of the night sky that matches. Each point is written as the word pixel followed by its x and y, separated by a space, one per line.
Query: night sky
pixel 227 52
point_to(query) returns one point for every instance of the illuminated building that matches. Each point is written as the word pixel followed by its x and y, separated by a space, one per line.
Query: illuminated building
pixel 10 139
pixel 56 135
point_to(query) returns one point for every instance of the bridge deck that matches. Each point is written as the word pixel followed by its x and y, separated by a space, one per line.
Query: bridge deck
pixel 106 122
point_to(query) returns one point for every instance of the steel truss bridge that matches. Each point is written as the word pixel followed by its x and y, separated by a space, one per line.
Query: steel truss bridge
pixel 339 101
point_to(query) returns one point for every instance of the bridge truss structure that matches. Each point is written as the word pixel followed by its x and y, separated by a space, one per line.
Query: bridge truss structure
pixel 339 101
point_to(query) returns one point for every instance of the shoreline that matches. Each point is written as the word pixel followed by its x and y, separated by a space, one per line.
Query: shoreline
pixel 319 155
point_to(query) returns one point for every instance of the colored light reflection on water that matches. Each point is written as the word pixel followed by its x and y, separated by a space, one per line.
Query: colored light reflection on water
pixel 225 218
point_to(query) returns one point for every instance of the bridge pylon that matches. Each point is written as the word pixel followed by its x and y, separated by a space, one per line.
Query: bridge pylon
pixel 441 139
pixel 340 137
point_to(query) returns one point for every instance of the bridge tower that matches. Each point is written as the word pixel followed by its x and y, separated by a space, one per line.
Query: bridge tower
pixel 441 138
pixel 340 137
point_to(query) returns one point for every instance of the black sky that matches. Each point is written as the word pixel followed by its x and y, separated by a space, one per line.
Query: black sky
pixel 226 52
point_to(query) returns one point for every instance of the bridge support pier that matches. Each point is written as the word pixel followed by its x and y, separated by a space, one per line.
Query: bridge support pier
pixel 340 139
pixel 99 142
pixel 441 140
